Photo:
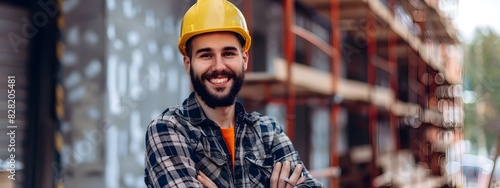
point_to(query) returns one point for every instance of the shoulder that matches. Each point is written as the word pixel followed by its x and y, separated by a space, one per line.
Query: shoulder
pixel 171 125
pixel 167 119
pixel 166 115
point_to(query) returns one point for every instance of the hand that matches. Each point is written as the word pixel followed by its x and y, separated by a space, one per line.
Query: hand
pixel 280 177
pixel 207 182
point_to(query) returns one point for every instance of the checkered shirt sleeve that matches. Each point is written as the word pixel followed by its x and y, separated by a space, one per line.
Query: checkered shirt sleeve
pixel 168 160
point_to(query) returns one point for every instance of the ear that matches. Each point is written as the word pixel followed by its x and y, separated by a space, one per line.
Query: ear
pixel 245 60
pixel 187 63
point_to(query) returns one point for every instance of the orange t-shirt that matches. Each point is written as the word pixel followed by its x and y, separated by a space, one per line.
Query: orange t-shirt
pixel 228 135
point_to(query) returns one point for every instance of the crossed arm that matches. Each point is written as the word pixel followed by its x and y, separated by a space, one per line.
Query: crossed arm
pixel 169 162
pixel 280 178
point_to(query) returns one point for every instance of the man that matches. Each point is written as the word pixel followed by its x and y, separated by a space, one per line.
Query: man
pixel 210 140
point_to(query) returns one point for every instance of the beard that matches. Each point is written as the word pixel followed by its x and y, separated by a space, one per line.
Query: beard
pixel 212 100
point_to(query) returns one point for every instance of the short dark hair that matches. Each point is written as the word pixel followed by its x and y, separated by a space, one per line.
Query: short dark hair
pixel 189 46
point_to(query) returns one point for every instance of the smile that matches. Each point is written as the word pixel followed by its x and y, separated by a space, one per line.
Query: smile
pixel 218 80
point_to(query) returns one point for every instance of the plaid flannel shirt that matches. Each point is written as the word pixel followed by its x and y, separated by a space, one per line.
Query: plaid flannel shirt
pixel 182 141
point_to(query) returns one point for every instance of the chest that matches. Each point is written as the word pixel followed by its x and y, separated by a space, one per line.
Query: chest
pixel 253 160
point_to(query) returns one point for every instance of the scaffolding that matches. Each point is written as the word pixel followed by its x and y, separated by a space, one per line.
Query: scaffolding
pixel 410 43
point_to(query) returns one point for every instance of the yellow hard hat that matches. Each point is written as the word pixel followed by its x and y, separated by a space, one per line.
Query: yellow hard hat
pixel 211 16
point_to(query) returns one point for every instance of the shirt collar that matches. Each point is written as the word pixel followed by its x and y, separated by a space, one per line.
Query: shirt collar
pixel 192 112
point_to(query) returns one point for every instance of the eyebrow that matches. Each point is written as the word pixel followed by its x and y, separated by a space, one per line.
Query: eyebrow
pixel 229 48
pixel 207 49
pixel 203 50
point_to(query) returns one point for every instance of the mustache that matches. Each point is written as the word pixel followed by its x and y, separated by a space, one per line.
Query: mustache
pixel 216 74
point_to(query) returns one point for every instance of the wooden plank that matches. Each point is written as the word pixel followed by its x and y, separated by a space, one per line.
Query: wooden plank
pixel 311 81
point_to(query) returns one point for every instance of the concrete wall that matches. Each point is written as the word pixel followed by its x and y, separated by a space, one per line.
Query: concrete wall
pixel 121 69
pixel 83 67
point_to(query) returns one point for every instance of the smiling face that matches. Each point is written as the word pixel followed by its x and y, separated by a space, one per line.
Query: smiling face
pixel 216 67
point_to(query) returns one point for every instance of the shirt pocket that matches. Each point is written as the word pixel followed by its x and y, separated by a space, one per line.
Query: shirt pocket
pixel 211 160
pixel 213 165
pixel 259 170
pixel 215 157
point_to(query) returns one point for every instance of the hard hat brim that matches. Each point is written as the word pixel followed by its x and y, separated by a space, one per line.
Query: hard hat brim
pixel 243 33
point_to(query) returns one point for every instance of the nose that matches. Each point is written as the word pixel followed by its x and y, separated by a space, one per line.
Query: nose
pixel 218 64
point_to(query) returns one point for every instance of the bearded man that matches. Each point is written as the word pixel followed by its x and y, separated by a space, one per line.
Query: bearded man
pixel 210 140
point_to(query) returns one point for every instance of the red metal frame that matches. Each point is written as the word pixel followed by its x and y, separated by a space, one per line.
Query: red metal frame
pixel 315 40
pixel 290 31
pixel 372 110
pixel 335 107
pixel 289 47
pixel 393 78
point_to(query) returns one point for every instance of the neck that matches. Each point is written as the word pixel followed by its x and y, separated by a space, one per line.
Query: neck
pixel 222 116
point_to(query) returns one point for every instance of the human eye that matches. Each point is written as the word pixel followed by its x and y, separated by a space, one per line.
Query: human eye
pixel 205 55
pixel 228 54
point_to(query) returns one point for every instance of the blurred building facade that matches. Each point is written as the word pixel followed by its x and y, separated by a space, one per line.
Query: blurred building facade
pixel 387 74
pixel 369 91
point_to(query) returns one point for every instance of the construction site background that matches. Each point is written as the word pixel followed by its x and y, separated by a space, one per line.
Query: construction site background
pixel 369 91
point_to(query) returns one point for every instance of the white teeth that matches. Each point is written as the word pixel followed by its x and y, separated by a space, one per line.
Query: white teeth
pixel 218 80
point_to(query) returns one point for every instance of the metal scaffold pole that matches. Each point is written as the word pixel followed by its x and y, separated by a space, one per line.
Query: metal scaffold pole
pixel 372 110
pixel 289 47
pixel 393 77
pixel 335 69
